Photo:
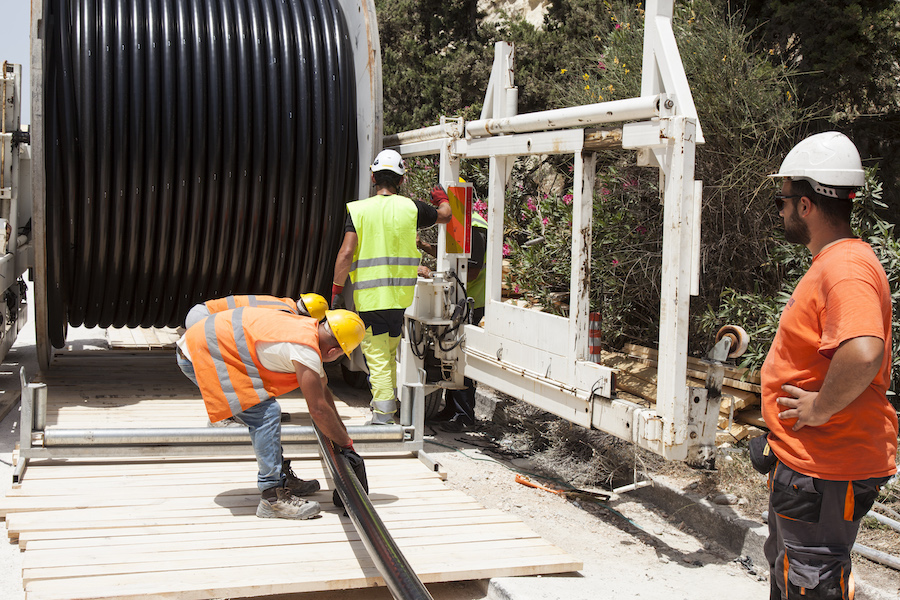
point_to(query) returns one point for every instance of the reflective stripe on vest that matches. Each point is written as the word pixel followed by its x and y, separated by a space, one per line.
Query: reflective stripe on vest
pixel 386 259
pixel 223 353
pixel 476 286
pixel 232 302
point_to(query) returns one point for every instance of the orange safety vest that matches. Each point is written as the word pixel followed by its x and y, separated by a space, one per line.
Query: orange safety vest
pixel 232 302
pixel 223 352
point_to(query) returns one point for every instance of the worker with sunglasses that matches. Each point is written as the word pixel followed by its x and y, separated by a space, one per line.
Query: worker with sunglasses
pixel 833 434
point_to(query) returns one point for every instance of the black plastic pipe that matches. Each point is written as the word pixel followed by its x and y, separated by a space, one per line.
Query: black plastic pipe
pixel 195 149
pixel 401 580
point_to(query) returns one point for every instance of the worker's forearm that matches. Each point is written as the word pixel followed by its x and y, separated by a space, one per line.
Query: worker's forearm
pixel 321 405
pixel 341 269
pixel 329 400
pixel 444 213
pixel 344 258
pixel 328 421
pixel 853 367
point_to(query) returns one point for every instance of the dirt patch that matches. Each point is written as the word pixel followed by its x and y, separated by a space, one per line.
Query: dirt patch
pixel 565 455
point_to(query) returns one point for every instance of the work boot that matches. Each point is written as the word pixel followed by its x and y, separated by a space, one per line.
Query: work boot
pixel 280 503
pixel 458 424
pixel 297 486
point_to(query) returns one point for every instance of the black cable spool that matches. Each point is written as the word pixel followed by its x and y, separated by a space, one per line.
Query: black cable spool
pixel 194 149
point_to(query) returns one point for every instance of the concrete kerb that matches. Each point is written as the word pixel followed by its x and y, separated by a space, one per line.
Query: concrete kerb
pixel 740 536
pixel 743 537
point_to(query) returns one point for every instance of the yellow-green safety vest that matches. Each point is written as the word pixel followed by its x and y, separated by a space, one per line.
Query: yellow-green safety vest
pixel 476 286
pixel 386 259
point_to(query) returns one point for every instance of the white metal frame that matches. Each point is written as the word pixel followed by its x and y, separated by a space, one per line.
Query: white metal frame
pixel 542 358
pixel 16 251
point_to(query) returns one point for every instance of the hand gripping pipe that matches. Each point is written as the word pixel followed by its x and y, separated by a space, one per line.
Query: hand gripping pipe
pixel 401 580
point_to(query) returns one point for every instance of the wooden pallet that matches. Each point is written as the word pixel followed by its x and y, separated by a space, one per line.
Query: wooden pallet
pixel 186 528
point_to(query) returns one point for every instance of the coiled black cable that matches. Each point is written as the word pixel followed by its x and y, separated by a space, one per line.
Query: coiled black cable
pixel 194 149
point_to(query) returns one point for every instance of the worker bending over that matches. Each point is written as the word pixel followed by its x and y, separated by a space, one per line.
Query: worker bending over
pixel 833 433
pixel 379 254
pixel 243 359
pixel 307 305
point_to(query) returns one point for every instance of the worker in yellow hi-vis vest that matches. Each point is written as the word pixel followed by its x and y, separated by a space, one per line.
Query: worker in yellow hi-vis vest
pixel 380 256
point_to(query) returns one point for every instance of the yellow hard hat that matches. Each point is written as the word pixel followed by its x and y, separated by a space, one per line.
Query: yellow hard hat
pixel 347 327
pixel 315 305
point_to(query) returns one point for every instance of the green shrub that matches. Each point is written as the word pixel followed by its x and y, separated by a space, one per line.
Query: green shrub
pixel 758 313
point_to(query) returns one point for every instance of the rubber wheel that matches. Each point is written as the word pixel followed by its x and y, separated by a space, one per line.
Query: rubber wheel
pixel 433 404
pixel 739 339
pixel 355 379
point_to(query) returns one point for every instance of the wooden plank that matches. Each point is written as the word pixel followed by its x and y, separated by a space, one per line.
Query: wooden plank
pixel 256 537
pixel 123 536
pixel 176 527
pixel 242 581
pixel 300 549
pixel 752 417
pixel 640 380
pixel 734 376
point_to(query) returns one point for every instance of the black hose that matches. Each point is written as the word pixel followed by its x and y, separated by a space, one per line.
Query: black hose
pixel 401 580
pixel 195 149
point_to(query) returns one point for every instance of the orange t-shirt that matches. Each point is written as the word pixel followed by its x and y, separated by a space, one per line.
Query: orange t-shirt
pixel 844 295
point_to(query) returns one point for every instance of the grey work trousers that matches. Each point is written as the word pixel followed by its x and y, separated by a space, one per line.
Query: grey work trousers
pixel 812 527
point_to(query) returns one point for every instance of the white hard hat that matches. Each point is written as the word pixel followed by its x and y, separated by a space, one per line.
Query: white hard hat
pixel 390 160
pixel 829 161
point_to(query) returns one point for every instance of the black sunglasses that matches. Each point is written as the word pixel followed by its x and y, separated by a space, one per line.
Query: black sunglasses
pixel 780 198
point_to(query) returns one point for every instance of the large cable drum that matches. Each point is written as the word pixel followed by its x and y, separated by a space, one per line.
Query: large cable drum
pixel 193 149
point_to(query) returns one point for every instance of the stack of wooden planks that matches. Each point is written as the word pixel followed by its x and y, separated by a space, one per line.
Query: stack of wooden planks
pixel 739 412
pixel 186 529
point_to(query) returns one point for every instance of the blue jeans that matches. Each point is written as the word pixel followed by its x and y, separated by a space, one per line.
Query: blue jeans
pixel 187 367
pixel 264 421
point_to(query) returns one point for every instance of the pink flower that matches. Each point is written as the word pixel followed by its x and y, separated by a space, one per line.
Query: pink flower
pixel 601 65
pixel 615 262
pixel 530 203
pixel 480 207
pixel 567 199
pixel 618 26
pixel 506 250
pixel 630 183
pixel 545 220
pixel 641 230
pixel 516 289
pixel 605 192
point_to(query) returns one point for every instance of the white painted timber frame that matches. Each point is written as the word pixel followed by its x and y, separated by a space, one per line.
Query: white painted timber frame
pixel 544 359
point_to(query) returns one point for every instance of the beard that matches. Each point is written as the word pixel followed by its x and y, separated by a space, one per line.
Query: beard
pixel 795 230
